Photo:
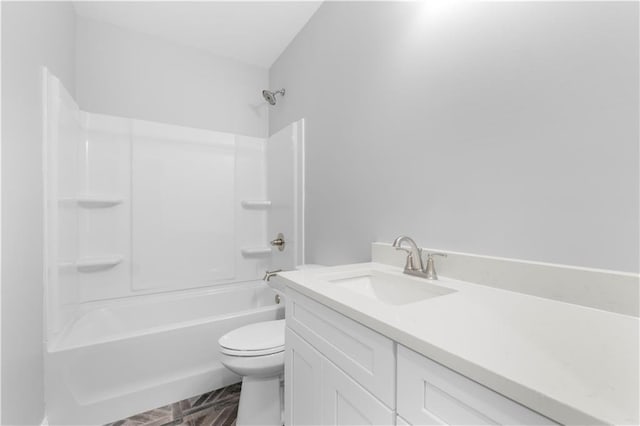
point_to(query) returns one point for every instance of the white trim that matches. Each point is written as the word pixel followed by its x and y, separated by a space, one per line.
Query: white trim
pixel 301 205
pixel 0 221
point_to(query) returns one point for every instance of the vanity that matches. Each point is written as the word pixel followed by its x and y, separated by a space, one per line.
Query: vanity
pixel 367 344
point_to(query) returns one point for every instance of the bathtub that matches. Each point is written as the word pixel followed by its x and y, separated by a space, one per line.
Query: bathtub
pixel 123 357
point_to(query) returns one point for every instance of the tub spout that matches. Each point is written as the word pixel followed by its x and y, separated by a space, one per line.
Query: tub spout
pixel 269 274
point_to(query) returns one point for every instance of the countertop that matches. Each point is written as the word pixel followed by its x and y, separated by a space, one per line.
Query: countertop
pixel 573 364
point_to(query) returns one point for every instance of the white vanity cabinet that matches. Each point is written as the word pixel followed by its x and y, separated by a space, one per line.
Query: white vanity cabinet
pixel 317 392
pixel 339 372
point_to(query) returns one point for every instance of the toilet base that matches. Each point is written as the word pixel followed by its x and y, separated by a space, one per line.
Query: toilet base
pixel 260 402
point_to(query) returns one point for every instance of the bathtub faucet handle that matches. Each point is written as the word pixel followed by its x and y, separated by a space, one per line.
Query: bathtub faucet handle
pixel 269 274
pixel 279 242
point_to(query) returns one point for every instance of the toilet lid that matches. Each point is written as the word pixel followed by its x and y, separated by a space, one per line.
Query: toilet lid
pixel 256 339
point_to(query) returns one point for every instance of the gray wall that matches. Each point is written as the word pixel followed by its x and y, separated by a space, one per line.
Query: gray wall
pixel 507 129
pixel 126 73
pixel 33 34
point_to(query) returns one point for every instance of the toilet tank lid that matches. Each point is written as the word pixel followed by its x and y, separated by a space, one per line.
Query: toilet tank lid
pixel 255 337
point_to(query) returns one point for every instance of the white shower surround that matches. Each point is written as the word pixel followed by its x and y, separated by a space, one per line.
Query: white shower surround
pixel 135 207
pixel 122 340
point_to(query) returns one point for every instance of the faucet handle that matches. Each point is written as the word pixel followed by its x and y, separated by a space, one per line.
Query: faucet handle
pixel 436 253
pixel 431 268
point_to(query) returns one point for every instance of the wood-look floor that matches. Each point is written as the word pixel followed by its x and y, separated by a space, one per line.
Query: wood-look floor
pixel 215 408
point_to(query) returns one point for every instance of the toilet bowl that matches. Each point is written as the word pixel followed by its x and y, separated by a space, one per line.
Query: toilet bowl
pixel 256 352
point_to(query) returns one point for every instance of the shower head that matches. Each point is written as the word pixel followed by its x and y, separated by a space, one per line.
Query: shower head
pixel 270 96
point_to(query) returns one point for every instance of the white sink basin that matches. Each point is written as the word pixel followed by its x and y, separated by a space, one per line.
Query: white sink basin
pixel 390 289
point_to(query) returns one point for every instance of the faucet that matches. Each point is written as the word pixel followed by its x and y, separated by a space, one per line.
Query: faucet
pixel 270 274
pixel 414 264
pixel 413 255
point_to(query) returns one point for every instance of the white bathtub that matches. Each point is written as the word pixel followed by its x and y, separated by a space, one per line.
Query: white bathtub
pixel 124 357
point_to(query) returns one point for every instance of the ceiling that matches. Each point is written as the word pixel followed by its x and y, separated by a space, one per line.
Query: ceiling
pixel 252 32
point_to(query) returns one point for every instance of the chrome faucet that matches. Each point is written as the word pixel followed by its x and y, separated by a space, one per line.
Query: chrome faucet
pixel 414 264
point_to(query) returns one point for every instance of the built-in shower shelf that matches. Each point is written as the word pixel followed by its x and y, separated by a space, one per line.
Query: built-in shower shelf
pixel 256 251
pixel 94 264
pixel 97 201
pixel 256 204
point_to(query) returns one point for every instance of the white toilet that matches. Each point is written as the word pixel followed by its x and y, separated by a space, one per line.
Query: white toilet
pixel 256 352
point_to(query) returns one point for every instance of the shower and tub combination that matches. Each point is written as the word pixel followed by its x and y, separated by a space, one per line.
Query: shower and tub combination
pixel 157 237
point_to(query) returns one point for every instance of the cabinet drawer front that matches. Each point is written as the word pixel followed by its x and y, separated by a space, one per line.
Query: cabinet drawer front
pixel 362 353
pixel 429 393
pixel 346 403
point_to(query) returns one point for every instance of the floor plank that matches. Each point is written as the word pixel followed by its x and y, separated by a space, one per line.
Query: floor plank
pixel 216 408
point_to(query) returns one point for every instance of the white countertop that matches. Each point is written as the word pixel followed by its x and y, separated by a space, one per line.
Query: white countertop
pixel 574 364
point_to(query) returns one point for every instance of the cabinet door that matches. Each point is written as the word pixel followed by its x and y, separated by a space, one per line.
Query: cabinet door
pixel 303 382
pixel 367 356
pixel 345 402
pixel 431 394
pixel 401 422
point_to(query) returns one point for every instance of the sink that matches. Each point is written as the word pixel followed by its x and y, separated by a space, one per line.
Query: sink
pixel 390 289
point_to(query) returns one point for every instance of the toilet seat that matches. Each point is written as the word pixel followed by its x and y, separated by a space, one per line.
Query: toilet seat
pixel 261 338
pixel 233 352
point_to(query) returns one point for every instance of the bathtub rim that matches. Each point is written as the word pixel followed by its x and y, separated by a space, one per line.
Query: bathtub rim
pixel 56 344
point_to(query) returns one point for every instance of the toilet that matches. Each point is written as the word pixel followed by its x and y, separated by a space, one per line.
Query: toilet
pixel 256 352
